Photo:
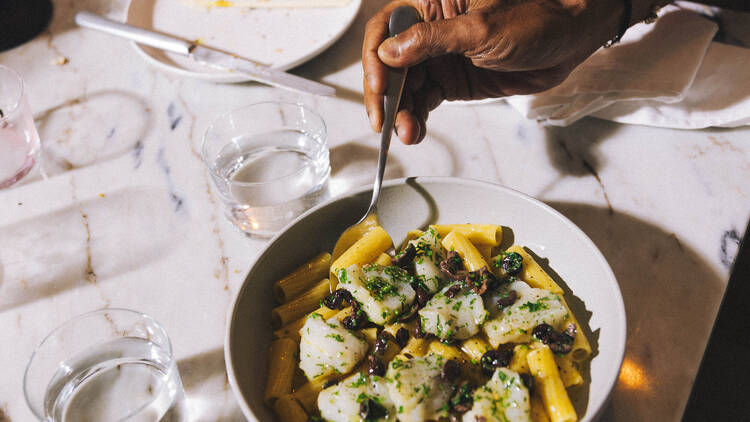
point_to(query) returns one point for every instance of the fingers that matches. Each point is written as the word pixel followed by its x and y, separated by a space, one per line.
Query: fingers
pixel 411 121
pixel 408 127
pixel 375 72
pixel 429 39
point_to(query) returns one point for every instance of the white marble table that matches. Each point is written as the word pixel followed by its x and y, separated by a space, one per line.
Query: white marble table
pixel 128 216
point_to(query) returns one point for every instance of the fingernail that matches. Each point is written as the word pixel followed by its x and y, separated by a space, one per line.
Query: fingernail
pixel 390 48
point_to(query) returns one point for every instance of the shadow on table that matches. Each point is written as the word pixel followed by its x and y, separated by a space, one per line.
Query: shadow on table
pixel 571 148
pixel 354 164
pixel 208 392
pixel 92 128
pixel 85 243
pixel 346 51
pixel 671 296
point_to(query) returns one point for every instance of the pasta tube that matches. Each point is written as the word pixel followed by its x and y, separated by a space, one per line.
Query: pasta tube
pixel 353 234
pixel 288 410
pixel 281 365
pixel 370 335
pixel 547 378
pixel 307 395
pixel 308 302
pixel 538 414
pixel 448 352
pixel 581 346
pixel 364 251
pixel 485 251
pixel 533 274
pixel 478 234
pixel 302 279
pixel 569 373
pixel 384 259
pixel 415 347
pixel 393 328
pixel 519 361
pixel 474 348
pixel 473 260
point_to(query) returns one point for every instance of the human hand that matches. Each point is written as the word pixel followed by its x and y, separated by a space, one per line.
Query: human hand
pixel 476 49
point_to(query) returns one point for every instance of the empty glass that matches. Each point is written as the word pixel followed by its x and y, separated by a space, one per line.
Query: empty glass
pixel 19 141
pixel 269 162
pixel 106 365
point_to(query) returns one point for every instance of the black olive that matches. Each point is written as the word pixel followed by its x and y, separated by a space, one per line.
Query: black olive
pixel 381 343
pixel 512 263
pixel 336 299
pixel 422 296
pixel 452 291
pixel 402 337
pixel 405 257
pixel 410 314
pixel 450 371
pixel 451 266
pixel 418 332
pixel 370 410
pixel 560 343
pixel 507 300
pixel 375 366
pixel 493 359
pixel 462 398
pixel 349 323
pixel 542 332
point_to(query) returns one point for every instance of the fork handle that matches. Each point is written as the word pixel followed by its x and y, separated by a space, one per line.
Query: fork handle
pixel 401 19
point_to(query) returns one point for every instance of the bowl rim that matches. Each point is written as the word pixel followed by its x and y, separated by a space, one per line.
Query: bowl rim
pixel 620 308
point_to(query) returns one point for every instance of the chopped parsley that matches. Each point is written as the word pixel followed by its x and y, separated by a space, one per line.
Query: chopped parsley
pixel 535 306
pixel 336 337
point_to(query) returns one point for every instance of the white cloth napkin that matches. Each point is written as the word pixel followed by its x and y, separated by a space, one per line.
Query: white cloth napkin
pixel 667 74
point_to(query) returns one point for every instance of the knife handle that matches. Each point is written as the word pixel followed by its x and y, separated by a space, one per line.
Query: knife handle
pixel 133 33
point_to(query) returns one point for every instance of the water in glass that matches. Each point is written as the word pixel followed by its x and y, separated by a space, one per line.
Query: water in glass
pixel 126 379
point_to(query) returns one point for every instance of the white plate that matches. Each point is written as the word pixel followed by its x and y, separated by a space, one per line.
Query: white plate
pixel 281 38
pixel 410 203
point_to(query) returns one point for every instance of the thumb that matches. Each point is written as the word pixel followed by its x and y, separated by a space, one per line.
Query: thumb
pixel 429 39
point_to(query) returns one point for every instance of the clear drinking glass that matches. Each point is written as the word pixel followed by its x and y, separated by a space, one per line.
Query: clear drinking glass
pixel 106 365
pixel 269 162
pixel 19 141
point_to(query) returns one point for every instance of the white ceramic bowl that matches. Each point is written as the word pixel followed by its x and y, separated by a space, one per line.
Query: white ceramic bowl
pixel 412 203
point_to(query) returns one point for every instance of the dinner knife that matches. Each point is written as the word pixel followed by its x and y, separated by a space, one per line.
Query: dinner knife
pixel 204 55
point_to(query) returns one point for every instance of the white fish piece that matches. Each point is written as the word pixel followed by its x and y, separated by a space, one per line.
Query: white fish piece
pixel 417 390
pixel 341 402
pixel 455 318
pixel 326 348
pixel 503 399
pixel 430 252
pixel 385 293
pixel 514 324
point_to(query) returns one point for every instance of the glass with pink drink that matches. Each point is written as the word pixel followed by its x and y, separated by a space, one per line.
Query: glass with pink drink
pixel 19 140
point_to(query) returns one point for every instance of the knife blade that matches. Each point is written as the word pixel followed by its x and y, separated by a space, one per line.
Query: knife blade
pixel 205 55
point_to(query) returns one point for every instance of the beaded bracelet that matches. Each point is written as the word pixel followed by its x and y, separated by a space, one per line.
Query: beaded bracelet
pixel 624 25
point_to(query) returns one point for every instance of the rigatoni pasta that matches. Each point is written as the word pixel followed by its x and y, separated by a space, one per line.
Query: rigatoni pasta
pixel 439 330
pixel 302 279
pixel 281 365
